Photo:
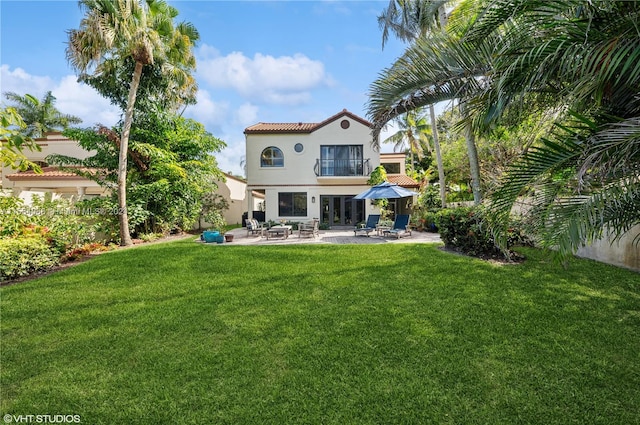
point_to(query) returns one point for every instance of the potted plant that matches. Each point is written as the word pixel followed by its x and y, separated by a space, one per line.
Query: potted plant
pixel 217 222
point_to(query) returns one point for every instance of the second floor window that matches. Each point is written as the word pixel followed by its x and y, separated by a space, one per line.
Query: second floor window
pixel 341 160
pixel 392 167
pixel 272 157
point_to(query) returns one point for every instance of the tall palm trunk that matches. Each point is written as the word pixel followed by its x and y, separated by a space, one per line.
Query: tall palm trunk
pixel 436 145
pixel 123 216
pixel 442 18
pixel 474 164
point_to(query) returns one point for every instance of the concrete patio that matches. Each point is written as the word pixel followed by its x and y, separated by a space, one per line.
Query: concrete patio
pixel 334 236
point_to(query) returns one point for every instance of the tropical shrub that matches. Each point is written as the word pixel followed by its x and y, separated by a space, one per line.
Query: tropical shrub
pixel 467 230
pixel 430 198
pixel 429 221
pixel 463 229
pixel 38 236
pixel 13 217
pixel 25 255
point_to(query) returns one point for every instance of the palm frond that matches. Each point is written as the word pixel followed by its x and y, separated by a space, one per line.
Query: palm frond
pixel 572 222
pixel 436 68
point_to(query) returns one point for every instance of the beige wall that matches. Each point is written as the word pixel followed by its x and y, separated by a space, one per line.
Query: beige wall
pixel 53 143
pixel 621 253
pixel 299 167
pixel 234 191
pixel 298 174
pixel 395 158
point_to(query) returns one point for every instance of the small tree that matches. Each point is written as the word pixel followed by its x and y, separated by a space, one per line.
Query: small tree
pixel 379 175
pixel 12 141
pixel 213 205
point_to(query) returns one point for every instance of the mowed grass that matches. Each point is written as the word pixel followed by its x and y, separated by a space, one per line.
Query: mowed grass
pixel 335 334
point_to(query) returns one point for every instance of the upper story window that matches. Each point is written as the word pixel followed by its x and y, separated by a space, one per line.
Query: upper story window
pixel 391 167
pixel 272 157
pixel 341 160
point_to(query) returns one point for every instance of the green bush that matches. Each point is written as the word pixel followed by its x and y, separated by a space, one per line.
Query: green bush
pixel 430 198
pixel 463 229
pixel 24 255
pixel 430 220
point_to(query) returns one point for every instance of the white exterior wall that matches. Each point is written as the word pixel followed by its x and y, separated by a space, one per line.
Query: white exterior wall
pixel 298 174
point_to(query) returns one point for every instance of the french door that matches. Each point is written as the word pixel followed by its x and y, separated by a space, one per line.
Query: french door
pixel 340 210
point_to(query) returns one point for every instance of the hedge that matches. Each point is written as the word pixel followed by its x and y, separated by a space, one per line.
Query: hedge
pixel 24 255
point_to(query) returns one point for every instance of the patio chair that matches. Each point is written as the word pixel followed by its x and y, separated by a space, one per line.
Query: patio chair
pixel 370 225
pixel 253 227
pixel 400 227
pixel 309 229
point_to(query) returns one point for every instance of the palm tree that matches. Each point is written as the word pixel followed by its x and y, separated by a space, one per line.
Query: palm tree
pixel 576 60
pixel 437 66
pixel 410 20
pixel 40 116
pixel 411 134
pixel 143 31
pixel 579 59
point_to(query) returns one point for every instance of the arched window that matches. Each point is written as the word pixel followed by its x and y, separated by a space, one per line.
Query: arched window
pixel 272 157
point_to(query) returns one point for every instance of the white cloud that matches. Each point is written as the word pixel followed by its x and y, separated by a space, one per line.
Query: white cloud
pixel 71 97
pixel 246 115
pixel 83 101
pixel 207 111
pixel 285 80
pixel 20 82
pixel 229 159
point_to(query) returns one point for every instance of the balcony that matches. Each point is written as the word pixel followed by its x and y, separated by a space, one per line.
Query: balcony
pixel 342 167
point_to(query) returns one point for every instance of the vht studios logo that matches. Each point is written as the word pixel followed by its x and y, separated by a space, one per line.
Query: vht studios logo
pixel 42 419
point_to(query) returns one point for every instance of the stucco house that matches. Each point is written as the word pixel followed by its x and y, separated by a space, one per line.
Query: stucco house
pixel 313 170
pixel 58 183
pixel 52 180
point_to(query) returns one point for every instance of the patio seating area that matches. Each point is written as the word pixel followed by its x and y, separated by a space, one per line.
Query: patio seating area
pixel 334 236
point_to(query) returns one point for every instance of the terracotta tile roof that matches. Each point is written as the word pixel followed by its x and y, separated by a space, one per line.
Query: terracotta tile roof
pixel 48 173
pixel 284 127
pixel 402 180
pixel 301 127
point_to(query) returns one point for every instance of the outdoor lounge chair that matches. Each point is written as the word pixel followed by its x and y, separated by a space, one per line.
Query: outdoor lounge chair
pixel 400 227
pixel 253 227
pixel 309 229
pixel 370 226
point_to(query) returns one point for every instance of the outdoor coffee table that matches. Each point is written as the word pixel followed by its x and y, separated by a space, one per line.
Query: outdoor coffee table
pixel 381 230
pixel 277 231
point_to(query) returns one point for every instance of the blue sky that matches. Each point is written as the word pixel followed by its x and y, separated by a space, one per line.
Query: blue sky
pixel 264 61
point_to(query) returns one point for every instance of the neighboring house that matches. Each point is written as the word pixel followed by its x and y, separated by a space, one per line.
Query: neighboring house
pixel 234 190
pixel 60 183
pixel 25 184
pixel 312 170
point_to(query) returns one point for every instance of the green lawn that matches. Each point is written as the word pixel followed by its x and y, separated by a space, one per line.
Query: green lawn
pixel 335 334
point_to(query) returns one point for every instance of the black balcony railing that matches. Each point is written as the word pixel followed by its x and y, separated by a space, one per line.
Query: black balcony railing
pixel 342 167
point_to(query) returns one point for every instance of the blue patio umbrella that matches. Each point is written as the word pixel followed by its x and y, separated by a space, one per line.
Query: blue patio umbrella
pixel 385 190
